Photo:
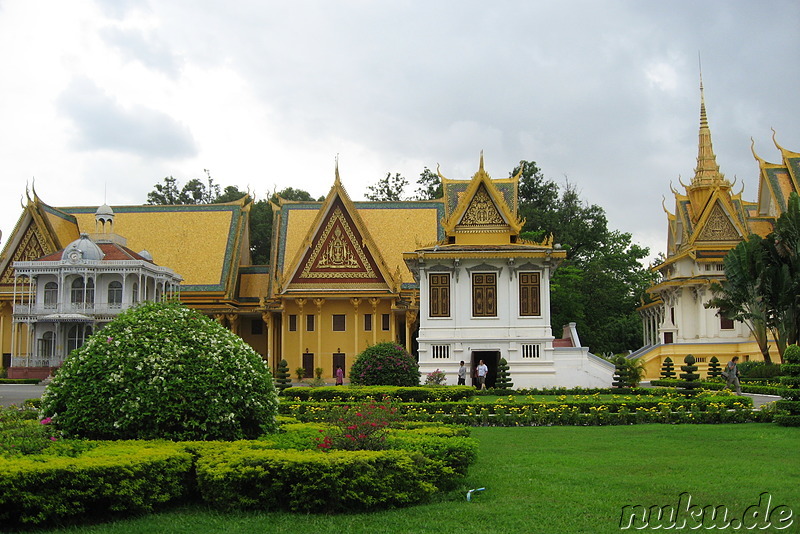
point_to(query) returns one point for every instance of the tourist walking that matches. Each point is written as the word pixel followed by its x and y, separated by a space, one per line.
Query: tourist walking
pixel 480 372
pixel 731 375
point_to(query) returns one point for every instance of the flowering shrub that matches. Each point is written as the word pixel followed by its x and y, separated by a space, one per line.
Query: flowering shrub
pixel 161 370
pixel 385 364
pixel 359 428
pixel 436 378
pixel 21 435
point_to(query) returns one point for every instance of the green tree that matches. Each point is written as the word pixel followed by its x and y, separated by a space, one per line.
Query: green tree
pixel 166 193
pixel 283 379
pixel 385 364
pixel 668 369
pixel 429 185
pixel 782 290
pixel 740 296
pixel 538 201
pixel 388 189
pixel 503 375
pixel 195 191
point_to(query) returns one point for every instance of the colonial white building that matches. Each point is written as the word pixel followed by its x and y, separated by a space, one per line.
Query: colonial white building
pixel 62 298
pixel 485 294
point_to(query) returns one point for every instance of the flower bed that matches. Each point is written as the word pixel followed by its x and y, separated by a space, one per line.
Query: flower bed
pixel 708 407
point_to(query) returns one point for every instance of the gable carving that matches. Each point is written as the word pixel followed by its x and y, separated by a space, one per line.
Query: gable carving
pixel 482 210
pixel 718 227
pixel 337 253
pixel 32 246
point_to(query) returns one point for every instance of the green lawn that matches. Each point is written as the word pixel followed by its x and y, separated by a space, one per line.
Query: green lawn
pixel 555 480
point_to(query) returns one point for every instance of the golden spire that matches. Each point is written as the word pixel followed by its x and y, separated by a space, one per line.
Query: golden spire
pixel 336 176
pixel 707 171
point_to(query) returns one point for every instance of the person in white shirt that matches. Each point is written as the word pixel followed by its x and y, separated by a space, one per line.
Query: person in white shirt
pixel 480 372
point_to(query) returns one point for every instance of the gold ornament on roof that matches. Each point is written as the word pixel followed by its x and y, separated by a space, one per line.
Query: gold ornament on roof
pixel 482 210
pixel 340 253
pixel 337 255
pixel 718 227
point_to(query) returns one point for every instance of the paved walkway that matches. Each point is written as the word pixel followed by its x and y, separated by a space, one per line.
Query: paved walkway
pixel 760 400
pixel 18 393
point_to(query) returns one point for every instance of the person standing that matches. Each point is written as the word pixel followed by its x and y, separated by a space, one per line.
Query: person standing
pixel 339 376
pixel 732 375
pixel 481 372
pixel 462 374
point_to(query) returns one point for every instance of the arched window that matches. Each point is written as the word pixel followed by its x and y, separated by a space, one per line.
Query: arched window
pixel 115 294
pixel 76 295
pixel 90 291
pixel 76 336
pixel 82 293
pixel 135 293
pixel 44 347
pixel 50 295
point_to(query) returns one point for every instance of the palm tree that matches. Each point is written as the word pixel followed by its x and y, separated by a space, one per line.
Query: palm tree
pixel 740 296
pixel 783 291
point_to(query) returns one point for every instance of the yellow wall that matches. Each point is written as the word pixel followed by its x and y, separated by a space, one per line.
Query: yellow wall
pixel 723 351
pixel 323 341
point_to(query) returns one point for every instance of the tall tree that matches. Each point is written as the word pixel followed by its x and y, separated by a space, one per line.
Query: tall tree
pixel 783 268
pixel 739 297
pixel 538 201
pixel 388 189
pixel 602 281
pixel 195 191
pixel 429 185
pixel 165 193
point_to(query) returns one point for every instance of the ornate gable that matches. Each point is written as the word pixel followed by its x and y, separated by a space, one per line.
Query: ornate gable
pixel 718 227
pixel 481 214
pixel 338 252
pixel 32 245
pixel 482 211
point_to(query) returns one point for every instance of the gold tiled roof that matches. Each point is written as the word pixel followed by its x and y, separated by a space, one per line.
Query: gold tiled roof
pixel 191 243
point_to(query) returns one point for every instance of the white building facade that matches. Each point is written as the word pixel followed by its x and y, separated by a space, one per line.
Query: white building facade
pixel 485 295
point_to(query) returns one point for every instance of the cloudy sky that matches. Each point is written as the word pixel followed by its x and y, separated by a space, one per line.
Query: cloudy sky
pixel 101 100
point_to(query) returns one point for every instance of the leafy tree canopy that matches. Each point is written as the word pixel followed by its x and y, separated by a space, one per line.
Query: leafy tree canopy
pixel 388 189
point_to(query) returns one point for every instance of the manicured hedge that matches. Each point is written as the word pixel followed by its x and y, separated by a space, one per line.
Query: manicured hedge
pixel 113 477
pixel 311 481
pixel 360 393
pixel 625 410
pixel 76 480
pixel 718 386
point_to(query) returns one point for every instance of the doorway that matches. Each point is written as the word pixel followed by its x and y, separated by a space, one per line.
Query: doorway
pixel 491 358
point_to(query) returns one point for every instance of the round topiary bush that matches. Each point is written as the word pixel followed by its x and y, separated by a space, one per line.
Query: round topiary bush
pixel 385 364
pixel 161 370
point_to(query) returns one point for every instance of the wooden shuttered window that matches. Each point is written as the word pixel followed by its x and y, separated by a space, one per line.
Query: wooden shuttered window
pixel 529 304
pixel 439 295
pixel 484 295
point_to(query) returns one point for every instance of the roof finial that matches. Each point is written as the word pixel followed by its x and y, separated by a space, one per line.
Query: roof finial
pixel 703 117
pixel 707 171
pixel 481 164
pixel 336 180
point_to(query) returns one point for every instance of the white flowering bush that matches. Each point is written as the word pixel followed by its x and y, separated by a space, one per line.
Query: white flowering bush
pixel 161 370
